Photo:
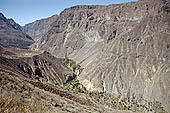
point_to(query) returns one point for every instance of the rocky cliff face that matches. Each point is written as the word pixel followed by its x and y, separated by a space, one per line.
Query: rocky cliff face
pixel 40 27
pixel 124 48
pixel 135 64
pixel 11 34
pixel 81 31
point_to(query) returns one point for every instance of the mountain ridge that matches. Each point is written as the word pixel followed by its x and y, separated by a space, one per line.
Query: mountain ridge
pixel 11 33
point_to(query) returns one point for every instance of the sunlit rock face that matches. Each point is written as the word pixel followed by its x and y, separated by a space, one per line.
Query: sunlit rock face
pixel 81 31
pixel 136 63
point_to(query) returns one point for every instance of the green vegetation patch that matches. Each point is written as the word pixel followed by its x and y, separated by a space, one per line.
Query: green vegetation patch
pixel 70 64
pixel 75 86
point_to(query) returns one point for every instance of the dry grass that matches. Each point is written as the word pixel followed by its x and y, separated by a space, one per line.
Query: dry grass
pixel 12 104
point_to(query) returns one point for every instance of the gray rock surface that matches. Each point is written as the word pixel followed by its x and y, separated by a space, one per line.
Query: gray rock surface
pixel 135 64
pixel 40 27
pixel 80 26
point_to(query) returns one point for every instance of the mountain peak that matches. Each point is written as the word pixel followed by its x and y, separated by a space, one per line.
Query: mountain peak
pixel 15 25
pixel 2 16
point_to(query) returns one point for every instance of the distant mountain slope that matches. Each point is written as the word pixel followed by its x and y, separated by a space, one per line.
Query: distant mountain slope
pixel 40 27
pixel 11 33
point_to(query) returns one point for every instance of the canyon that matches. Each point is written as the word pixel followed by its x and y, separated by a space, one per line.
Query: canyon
pixel 102 59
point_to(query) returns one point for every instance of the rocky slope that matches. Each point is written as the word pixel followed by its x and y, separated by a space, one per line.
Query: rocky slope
pixel 20 95
pixel 135 64
pixel 33 82
pixel 81 31
pixel 124 48
pixel 11 34
pixel 40 27
pixel 39 66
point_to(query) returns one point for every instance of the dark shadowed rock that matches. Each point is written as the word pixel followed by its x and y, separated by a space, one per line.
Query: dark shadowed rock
pixel 15 25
